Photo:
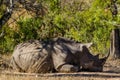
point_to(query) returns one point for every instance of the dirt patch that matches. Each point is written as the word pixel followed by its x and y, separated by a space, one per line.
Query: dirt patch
pixel 112 66
pixel 4 62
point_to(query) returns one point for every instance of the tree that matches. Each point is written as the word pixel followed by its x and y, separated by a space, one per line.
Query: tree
pixel 8 12
pixel 115 34
pixel 81 20
pixel 115 44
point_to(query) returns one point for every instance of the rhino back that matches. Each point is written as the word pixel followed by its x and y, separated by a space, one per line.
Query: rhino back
pixel 31 57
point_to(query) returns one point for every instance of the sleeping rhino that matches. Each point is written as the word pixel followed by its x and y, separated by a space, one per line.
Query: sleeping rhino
pixel 58 54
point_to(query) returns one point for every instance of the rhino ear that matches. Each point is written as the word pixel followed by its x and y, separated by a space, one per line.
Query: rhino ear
pixel 97 56
pixel 88 45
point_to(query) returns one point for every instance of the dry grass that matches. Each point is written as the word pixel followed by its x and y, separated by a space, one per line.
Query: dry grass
pixel 49 78
pixel 63 76
pixel 4 77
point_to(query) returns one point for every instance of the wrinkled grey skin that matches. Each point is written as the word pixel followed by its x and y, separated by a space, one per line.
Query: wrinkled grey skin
pixel 58 54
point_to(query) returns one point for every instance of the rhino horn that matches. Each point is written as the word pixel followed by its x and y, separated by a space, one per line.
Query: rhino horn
pixel 103 60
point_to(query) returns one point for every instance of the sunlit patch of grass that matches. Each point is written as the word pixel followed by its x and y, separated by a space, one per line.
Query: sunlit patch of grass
pixel 13 77
pixel 4 77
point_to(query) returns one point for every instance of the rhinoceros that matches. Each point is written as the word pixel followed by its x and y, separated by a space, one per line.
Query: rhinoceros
pixel 58 54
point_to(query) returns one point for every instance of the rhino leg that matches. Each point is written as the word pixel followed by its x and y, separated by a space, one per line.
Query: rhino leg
pixel 68 68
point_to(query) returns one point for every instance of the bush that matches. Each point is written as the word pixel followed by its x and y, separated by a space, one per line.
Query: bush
pixel 29 28
pixel 7 42
pixel 82 23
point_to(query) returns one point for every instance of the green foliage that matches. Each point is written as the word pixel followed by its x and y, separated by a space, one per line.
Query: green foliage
pixel 29 28
pixel 74 20
pixel 7 42
pixel 2 9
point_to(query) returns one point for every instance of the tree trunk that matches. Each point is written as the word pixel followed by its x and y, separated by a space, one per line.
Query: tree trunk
pixel 115 44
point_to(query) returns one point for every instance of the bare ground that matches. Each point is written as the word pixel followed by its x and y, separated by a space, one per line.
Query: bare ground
pixel 111 71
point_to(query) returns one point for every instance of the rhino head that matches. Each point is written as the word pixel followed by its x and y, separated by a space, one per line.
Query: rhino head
pixel 82 56
pixel 90 62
